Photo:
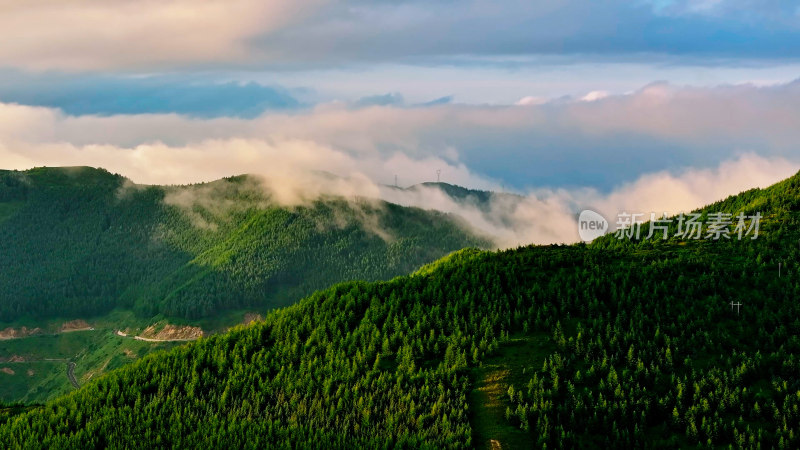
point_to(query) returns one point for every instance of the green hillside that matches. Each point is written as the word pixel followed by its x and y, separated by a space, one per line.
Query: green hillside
pixel 80 242
pixel 609 345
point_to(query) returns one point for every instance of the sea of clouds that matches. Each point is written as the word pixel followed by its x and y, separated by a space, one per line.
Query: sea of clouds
pixel 718 141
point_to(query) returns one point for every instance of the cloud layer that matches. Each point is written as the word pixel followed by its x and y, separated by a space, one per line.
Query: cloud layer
pixel 106 95
pixel 153 35
pixel 143 34
pixel 567 142
pixel 662 148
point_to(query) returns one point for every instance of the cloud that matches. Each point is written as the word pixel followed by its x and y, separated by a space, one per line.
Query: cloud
pixel 545 216
pixel 391 99
pixel 291 177
pixel 613 30
pixel 149 35
pixel 104 95
pixel 82 35
pixel 690 188
pixel 595 95
pixel 603 143
pixel 531 100
pixel 439 101
pixel 774 10
pixel 661 148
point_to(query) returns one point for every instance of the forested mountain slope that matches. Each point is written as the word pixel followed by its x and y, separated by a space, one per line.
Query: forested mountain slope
pixel 81 241
pixel 628 345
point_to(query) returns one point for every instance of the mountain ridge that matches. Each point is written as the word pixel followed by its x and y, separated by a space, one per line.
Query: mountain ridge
pixel 184 247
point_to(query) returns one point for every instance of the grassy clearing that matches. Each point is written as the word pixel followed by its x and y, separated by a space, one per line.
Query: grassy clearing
pixel 32 381
pixel 513 364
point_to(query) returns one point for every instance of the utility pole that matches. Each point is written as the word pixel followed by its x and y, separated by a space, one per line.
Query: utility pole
pixel 395 181
pixel 737 305
pixel 438 172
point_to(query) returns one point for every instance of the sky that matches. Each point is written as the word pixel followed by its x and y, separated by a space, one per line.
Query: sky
pixel 621 104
